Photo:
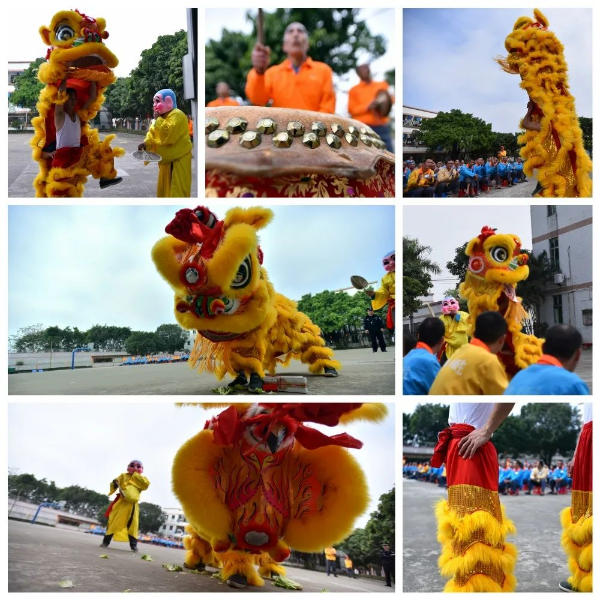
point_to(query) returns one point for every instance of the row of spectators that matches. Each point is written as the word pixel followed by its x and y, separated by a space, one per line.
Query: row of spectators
pixel 514 477
pixel 474 369
pixel 460 178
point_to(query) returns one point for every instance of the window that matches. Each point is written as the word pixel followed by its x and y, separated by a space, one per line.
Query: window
pixel 551 209
pixel 554 257
pixel 586 315
pixel 557 305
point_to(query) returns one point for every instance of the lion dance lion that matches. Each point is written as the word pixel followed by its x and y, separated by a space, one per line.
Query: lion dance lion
pixel 553 141
pixel 496 265
pixel 77 52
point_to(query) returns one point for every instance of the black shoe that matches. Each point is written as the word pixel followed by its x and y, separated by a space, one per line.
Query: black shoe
pixel 384 350
pixel 334 575
pixel 134 548
pixel 565 586
pixel 200 566
pixel 240 381
pixel 237 581
pixel 103 545
pixel 256 382
pixel 388 585
pixel 330 372
pixel 104 183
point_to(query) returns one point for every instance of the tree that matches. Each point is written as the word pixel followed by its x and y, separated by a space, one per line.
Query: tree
pixel 460 265
pixel 160 67
pixel 152 517
pixel 141 342
pixel 28 86
pixel 457 133
pixel 586 124
pixel 509 141
pixel 336 37
pixel 416 275
pixel 28 339
pixel 426 422
pixel 118 99
pixel 170 338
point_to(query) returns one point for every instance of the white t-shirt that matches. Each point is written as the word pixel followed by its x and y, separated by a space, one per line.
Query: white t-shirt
pixel 470 413
pixel 587 412
pixel 69 135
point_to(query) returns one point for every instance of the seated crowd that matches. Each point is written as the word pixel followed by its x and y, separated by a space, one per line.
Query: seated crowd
pixel 460 178
pixel 515 477
pixel 474 369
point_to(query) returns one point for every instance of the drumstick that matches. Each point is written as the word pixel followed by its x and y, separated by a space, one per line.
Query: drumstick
pixel 260 27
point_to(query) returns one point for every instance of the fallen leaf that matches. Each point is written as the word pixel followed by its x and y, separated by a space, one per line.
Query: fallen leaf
pixel 147 557
pixel 104 556
pixel 173 567
pixel 286 583
pixel 67 583
pixel 126 591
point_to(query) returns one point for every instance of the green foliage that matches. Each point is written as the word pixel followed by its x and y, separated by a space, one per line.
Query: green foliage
pixel 587 128
pixel 108 338
pixel 425 423
pixel 118 99
pixel 170 338
pixel 508 140
pixel 332 311
pixel 152 517
pixel 364 546
pixel 336 37
pixel 28 86
pixel 460 264
pixel 457 133
pixel 141 342
pixel 416 274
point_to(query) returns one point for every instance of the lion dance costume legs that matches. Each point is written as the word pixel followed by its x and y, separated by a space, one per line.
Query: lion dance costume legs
pixel 76 52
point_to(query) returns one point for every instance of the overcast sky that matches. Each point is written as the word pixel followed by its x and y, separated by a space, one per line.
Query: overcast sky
pixel 448 61
pixel 86 265
pixel 381 21
pixel 89 444
pixel 445 228
pixel 131 27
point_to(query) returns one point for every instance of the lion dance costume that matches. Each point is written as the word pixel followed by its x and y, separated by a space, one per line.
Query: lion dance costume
pixel 577 520
pixel 472 525
pixel 124 512
pixel 557 150
pixel 257 481
pixel 496 265
pixel 223 292
pixel 76 52
pixel 455 325
pixel 386 294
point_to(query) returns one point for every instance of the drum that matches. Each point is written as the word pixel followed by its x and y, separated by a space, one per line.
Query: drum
pixel 254 151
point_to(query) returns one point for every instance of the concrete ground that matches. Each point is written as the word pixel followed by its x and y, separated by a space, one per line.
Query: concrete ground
pixel 40 557
pixel 364 372
pixel 139 181
pixel 541 565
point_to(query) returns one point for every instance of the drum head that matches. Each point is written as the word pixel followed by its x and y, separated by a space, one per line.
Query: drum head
pixel 146 156
pixel 384 104
pixel 358 282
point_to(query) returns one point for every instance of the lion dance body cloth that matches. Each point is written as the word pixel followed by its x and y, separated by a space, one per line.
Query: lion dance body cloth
pixel 472 526
pixel 555 147
pixel 496 265
pixel 78 53
pixel 577 520
pixel 259 480
pixel 223 292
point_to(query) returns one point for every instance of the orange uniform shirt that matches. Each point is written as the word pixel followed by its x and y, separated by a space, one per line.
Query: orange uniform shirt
pixel 359 98
pixel 223 102
pixel 309 89
pixel 190 127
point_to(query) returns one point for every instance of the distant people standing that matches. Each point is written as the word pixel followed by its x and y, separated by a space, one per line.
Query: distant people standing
pixel 388 562
pixel 330 560
pixel 501 153
pixel 373 325
pixel 348 565
pixel 223 96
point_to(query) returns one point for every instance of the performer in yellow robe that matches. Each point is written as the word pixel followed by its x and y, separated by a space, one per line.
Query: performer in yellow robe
pixel 386 294
pixel 455 326
pixel 124 512
pixel 169 137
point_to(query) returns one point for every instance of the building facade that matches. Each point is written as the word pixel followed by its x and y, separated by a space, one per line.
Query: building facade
pixel 565 233
pixel 175 524
pixel 412 118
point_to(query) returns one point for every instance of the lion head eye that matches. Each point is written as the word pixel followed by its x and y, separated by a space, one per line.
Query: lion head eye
pixel 499 253
pixel 244 274
pixel 63 33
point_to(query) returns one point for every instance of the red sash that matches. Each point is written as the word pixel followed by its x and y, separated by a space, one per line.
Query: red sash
pixel 582 465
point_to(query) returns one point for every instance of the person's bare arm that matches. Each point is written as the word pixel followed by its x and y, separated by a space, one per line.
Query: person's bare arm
pixel 478 437
pixel 59 109
pixel 529 124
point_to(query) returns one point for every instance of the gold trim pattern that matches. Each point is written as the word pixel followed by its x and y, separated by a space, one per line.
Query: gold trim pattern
pixel 491 571
pixel 466 499
pixel 582 504
pixel 460 548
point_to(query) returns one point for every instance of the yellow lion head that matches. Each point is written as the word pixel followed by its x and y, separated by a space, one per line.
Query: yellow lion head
pixel 215 269
pixel 497 257
pixel 77 49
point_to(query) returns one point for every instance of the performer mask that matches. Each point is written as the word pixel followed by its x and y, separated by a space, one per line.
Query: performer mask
pixel 164 101
pixel 450 306
pixel 389 262
pixel 135 466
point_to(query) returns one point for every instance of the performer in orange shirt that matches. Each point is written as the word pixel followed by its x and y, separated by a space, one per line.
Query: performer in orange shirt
pixel 370 102
pixel 297 82
pixel 223 96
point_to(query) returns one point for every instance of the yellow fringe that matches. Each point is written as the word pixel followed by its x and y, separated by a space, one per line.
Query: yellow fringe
pixel 240 563
pixel 488 551
pixel 577 544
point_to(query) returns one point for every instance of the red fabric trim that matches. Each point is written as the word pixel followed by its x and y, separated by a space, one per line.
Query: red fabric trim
pixel 583 463
pixel 424 346
pixel 390 319
pixel 546 359
pixel 111 506
pixel 187 227
pixel 481 470
pixel 479 344
pixel 66 157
